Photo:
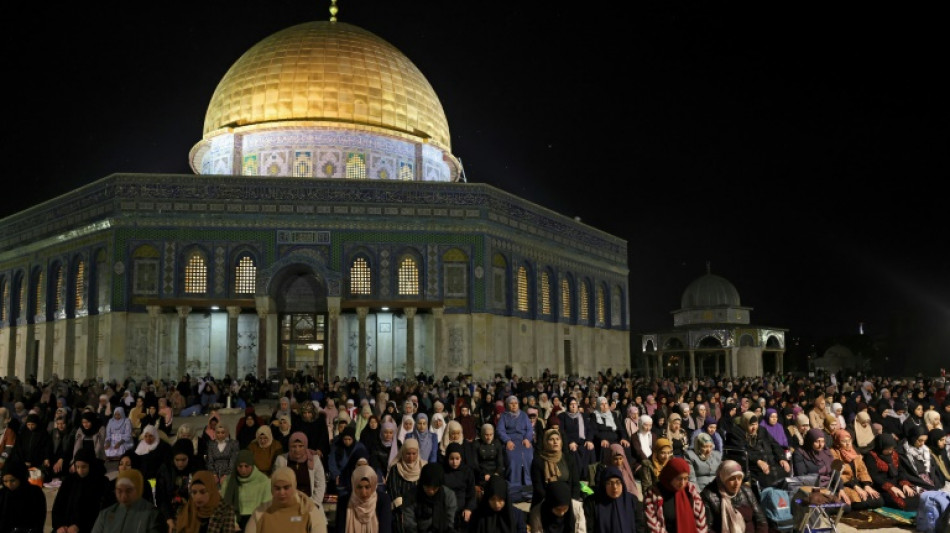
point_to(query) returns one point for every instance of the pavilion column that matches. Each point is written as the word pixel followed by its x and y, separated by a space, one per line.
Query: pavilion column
pixel 779 363
pixel 646 360
pixel 262 343
pixel 153 352
pixel 692 364
pixel 234 311
pixel 659 364
pixel 410 339
pixel 183 312
pixel 332 362
pixel 438 313
pixel 717 363
pixel 361 313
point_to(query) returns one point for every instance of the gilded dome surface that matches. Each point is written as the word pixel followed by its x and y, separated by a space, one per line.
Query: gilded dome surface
pixel 328 71
pixel 710 290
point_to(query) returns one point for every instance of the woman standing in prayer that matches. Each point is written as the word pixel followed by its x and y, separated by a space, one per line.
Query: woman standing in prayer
pixel 80 497
pixel 367 508
pixel 289 511
pixel 673 504
pixel 266 450
pixel 731 506
pixel 550 464
pixel 402 479
pixel 428 441
pixel 307 469
pixel 431 507
pixel 516 432
pixel 174 478
pixel 246 488
pixel 205 511
pixel 494 513
pixel 577 436
pixel 558 513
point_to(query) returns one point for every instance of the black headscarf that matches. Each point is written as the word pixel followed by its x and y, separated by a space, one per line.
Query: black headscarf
pixel 557 493
pixel 614 514
pixel 485 519
pixel 432 507
pixel 93 418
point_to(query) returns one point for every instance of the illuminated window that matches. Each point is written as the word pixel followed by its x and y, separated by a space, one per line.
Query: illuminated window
pixel 196 275
pixel 405 171
pixel 545 294
pixel 585 309
pixel 601 307
pixel 244 275
pixel 360 281
pixel 80 285
pixel 522 289
pixel 355 166
pixel 58 303
pixel 303 165
pixel 38 292
pixel 565 299
pixel 22 303
pixel 4 299
pixel 408 277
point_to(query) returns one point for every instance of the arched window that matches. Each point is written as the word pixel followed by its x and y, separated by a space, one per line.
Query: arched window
pixel 196 274
pixel 59 300
pixel 545 294
pixel 565 299
pixel 245 274
pixel 39 294
pixel 360 277
pixel 601 306
pixel 355 166
pixel 405 171
pixel 584 303
pixel 79 292
pixel 521 290
pixel 408 277
pixel 303 164
pixel 4 299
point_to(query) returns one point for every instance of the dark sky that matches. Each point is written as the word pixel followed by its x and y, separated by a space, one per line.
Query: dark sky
pixel 801 149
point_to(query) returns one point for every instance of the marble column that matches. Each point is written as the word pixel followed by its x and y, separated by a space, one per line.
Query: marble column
pixel 361 313
pixel 659 364
pixel 261 343
pixel 333 333
pixel 183 311
pixel 154 334
pixel 410 339
pixel 438 314
pixel 692 364
pixel 234 311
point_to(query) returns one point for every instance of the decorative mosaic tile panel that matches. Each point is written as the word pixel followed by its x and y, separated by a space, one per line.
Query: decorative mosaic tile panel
pixel 168 275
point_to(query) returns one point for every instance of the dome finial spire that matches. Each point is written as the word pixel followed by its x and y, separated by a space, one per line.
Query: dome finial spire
pixel 708 266
pixel 333 10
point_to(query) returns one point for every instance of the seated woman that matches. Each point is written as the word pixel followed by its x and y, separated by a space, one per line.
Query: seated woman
pixel 775 428
pixel 118 434
pixel 862 433
pixel 855 480
pixel 80 497
pixel 673 504
pixel 937 442
pixel 649 471
pixel 883 466
pixel 616 457
pixel 704 460
pixel 767 463
pixel 732 505
pixel 430 508
pixel 22 504
pixel 813 458
pixel 677 435
pixel 612 507
pixel 916 463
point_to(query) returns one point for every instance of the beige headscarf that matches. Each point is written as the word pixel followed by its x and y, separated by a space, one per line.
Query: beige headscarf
pixel 361 514
pixel 550 457
pixel 731 518
pixel 409 471
pixel 863 434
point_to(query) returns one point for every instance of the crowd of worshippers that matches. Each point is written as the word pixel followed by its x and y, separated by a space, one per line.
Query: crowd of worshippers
pixel 604 453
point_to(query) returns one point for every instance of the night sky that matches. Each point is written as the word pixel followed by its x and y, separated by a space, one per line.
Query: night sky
pixel 800 149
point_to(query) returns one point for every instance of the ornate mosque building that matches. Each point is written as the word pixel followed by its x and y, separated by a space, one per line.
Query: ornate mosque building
pixel 327 229
pixel 712 335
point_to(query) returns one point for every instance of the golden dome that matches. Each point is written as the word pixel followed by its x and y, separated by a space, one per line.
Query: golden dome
pixel 328 71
